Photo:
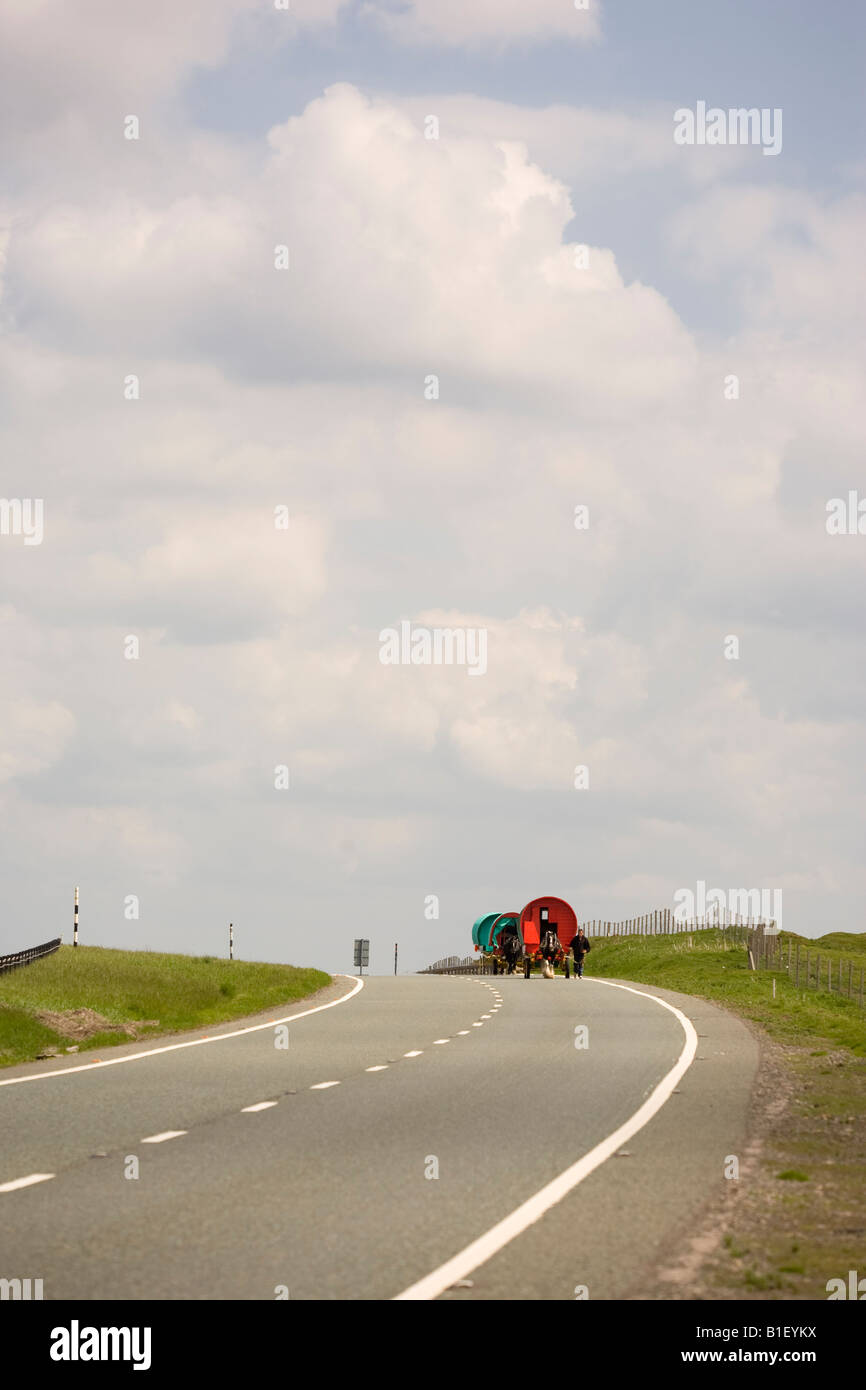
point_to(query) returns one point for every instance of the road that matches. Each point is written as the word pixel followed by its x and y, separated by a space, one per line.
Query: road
pixel 458 1100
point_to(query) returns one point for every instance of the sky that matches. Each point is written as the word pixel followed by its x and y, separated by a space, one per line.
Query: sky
pixel 318 321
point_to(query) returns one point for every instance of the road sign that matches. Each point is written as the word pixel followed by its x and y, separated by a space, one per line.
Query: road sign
pixel 362 952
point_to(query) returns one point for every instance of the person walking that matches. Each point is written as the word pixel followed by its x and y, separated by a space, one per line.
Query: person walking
pixel 579 947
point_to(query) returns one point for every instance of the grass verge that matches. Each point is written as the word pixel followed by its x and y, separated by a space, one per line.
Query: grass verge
pixel 795 1218
pixel 90 996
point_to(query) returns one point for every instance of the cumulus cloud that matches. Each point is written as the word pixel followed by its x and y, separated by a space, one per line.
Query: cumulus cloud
pixel 387 270
pixel 559 384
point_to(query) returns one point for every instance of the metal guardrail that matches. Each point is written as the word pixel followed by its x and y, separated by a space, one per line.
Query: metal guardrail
pixel 455 965
pixel 27 957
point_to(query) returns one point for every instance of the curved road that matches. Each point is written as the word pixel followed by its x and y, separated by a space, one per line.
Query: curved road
pixel 324 1190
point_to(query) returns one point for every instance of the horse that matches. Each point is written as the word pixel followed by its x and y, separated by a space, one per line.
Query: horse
pixel 551 950
pixel 509 944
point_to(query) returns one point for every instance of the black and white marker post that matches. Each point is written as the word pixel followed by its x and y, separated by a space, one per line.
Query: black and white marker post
pixel 75 921
pixel 395 957
pixel 231 941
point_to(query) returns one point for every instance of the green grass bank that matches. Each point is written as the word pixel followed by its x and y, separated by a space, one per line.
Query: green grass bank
pixel 93 997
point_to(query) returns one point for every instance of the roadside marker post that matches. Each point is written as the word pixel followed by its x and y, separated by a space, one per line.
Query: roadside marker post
pixel 75 921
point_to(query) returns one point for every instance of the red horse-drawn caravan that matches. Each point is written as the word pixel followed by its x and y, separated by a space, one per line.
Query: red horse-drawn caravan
pixel 541 934
pixel 547 928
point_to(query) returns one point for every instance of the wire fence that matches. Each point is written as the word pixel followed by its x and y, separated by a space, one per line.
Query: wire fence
pixel 805 968
pixel 27 957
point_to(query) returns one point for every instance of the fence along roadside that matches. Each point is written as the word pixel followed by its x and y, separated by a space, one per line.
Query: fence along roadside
pixel 662 922
pixel 27 957
pixel 806 969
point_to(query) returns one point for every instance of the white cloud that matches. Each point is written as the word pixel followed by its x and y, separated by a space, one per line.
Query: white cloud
pixel 456 22
pixel 387 270
pixel 33 735
pixel 558 386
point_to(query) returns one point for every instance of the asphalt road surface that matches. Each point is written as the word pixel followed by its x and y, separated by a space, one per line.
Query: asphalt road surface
pixel 434 1159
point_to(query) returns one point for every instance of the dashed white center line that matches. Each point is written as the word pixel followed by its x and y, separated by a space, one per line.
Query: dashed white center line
pixel 262 1105
pixel 161 1138
pixel 323 1085
pixel 485 1015
pixel 383 1067
pixel 413 1054
pixel 462 1033
pixel 437 1042
pixel 24 1182
pixel 478 1025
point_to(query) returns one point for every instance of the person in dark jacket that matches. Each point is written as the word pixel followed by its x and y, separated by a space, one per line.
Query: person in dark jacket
pixel 579 947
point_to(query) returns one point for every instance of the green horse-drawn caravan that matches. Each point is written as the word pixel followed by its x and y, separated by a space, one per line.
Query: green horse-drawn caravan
pixel 497 935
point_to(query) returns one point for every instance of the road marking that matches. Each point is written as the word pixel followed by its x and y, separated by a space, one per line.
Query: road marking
pixel 196 1042
pixel 323 1085
pixel 462 1033
pixel 24 1182
pixel 492 1241
pixel 485 1015
pixel 437 1042
pixel 161 1138
pixel 413 1054
pixel 262 1105
pixel 478 1025
pixel 380 1068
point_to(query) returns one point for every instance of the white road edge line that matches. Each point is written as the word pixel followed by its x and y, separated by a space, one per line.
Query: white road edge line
pixel 196 1042
pixel 24 1182
pixel 161 1138
pixel 524 1216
